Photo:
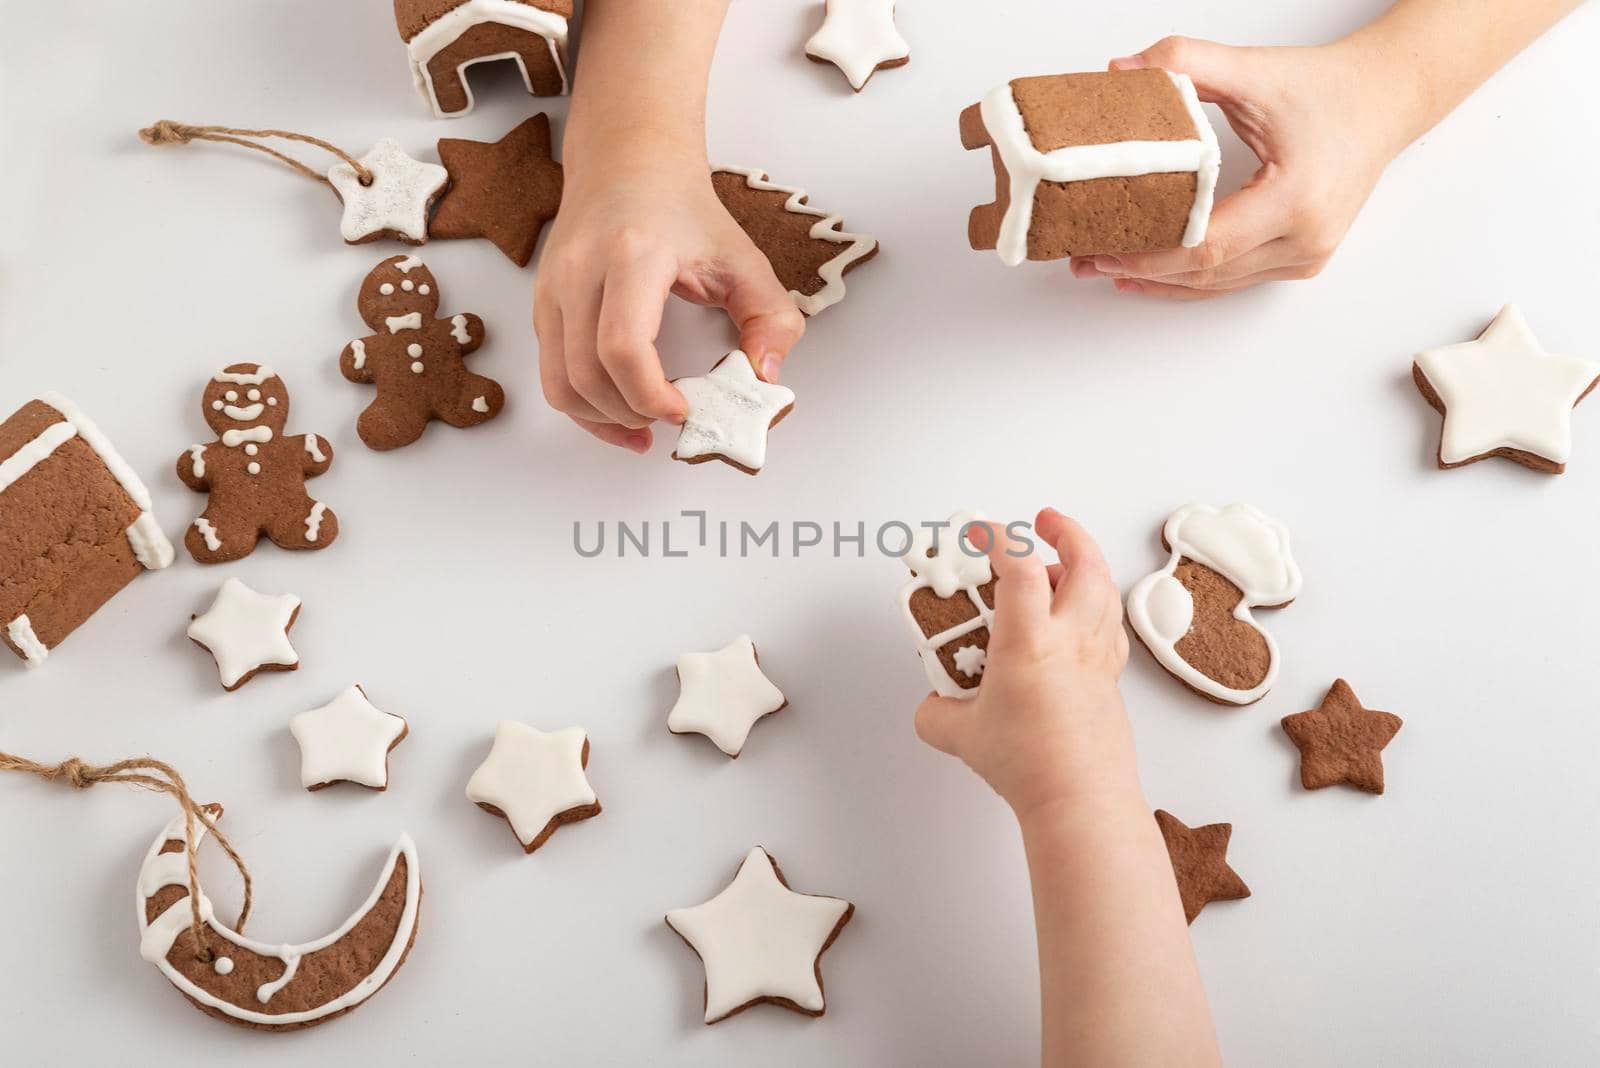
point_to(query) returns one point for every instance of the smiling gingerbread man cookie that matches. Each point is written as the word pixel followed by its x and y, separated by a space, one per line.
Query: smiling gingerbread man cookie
pixel 255 474
pixel 414 359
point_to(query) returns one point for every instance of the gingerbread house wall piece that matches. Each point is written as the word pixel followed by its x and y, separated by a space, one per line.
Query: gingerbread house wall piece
pixel 445 37
pixel 75 525
pixel 1109 162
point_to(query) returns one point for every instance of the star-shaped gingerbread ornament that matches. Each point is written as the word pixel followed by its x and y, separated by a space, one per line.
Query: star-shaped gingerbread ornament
pixel 730 412
pixel 761 942
pixel 535 780
pixel 504 190
pixel 394 203
pixel 1200 863
pixel 1340 741
pixel 246 632
pixel 1503 395
pixel 347 740
pixel 723 694
pixel 859 37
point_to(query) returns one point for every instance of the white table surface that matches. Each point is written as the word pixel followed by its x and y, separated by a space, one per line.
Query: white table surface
pixel 1453 919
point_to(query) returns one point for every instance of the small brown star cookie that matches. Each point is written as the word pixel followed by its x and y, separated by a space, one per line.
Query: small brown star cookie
pixel 1200 863
pixel 1340 741
pixel 504 190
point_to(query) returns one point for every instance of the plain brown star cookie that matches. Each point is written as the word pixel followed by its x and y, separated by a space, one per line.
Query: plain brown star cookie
pixel 1200 863
pixel 504 190
pixel 1340 741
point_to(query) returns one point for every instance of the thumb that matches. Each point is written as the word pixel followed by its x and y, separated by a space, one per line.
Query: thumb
pixel 1214 68
pixel 942 723
pixel 769 324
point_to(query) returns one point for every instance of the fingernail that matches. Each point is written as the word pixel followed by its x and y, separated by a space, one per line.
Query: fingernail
pixel 1108 265
pixel 1128 63
pixel 769 366
pixel 1084 269
pixel 1127 285
pixel 639 443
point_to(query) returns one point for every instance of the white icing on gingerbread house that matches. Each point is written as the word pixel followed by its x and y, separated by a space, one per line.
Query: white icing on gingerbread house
pixel 445 37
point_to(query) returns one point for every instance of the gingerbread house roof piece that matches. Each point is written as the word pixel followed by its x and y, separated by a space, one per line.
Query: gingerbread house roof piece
pixel 445 37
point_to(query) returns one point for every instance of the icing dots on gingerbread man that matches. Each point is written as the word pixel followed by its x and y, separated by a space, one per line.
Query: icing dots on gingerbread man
pixel 415 359
pixel 256 474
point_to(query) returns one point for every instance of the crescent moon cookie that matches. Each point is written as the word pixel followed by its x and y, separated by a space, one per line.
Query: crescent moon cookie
pixel 760 942
pixel 273 987
pixel 723 694
pixel 395 203
pixel 730 412
pixel 949 605
pixel 535 781
pixel 1194 615
pixel 246 632
pixel 347 740
pixel 859 37
pixel 1503 395
pixel 1199 858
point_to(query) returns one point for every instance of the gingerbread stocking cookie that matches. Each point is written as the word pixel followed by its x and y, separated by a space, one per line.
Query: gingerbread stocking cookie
pixel 414 359
pixel 255 474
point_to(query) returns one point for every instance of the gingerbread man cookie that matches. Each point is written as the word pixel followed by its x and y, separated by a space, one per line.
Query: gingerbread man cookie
pixel 255 474
pixel 414 359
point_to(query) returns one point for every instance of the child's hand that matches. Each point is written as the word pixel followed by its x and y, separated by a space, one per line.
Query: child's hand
pixel 623 241
pixel 1048 722
pixel 1323 125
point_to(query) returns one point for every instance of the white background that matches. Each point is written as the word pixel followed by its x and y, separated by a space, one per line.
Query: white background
pixel 1452 919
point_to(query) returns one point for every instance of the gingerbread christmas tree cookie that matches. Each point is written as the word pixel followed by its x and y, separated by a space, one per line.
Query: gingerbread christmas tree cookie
pixel 1200 863
pixel 446 37
pixel 504 191
pixel 1342 742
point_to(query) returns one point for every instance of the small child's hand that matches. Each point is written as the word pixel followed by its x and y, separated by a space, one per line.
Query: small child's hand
pixel 1323 126
pixel 1048 722
pixel 622 242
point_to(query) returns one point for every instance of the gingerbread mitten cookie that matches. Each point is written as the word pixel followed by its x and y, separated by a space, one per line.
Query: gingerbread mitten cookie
pixel 414 359
pixel 255 474
pixel 1194 614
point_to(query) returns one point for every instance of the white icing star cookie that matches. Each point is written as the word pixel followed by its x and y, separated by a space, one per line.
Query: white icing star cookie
pixel 730 412
pixel 346 740
pixel 535 779
pixel 1503 395
pixel 722 694
pixel 761 941
pixel 247 632
pixel 859 37
pixel 396 203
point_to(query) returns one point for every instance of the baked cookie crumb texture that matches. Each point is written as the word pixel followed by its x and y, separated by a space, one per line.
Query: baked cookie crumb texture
pixel 1200 863
pixel 1342 742
pixel 444 38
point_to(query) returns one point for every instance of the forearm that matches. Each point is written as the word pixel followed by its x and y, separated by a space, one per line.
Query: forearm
pixel 639 95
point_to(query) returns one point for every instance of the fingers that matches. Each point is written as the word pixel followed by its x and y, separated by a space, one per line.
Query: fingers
pixel 612 434
pixel 942 723
pixel 1241 224
pixel 580 324
pixel 1085 577
pixel 631 305
pixel 769 323
pixel 553 379
pixel 1166 291
pixel 1022 598
pixel 1219 72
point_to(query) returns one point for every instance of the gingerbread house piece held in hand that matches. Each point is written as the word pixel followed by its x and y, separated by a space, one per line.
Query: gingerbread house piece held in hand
pixel 1110 162
pixel 75 525
pixel 445 37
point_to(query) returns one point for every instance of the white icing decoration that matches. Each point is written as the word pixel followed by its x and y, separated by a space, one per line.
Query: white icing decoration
pixel 404 265
pixel 248 413
pixel 408 285
pixel 1027 166
pixel 197 461
pixel 479 404
pixel 251 449
pixel 33 452
pixel 157 936
pixel 223 966
pixel 832 272
pixel 757 938
pixel 458 329
pixel 409 321
pixel 358 349
pixel 22 635
pixel 722 695
pixel 423 289
pixel 1502 391
pixel 253 467
pixel 314 520
pixel 346 740
pixel 209 533
pixel 149 544
pixel 949 573
pixel 413 350
pixel 444 31
pixel 387 289
pixel 532 776
pixel 416 367
pixel 246 630
pixel 216 405
pixel 971 660
pixel 314 447
pixel 947 561
pixel 231 395
pixel 272 402
pixel 245 378
pixel 234 438
pixel 730 411
pixel 397 200
pixel 254 395
pixel 856 36
pixel 1244 546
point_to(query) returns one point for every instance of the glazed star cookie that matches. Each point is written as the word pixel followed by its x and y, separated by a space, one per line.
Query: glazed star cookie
pixel 1503 395
pixel 1340 741
pixel 760 942
pixel 415 360
pixel 949 605
pixel 346 740
pixel 723 694
pixel 445 37
pixel 809 249
pixel 535 781
pixel 395 203
pixel 270 986
pixel 256 475
pixel 504 191
pixel 730 412
pixel 859 37
pixel 1200 863
pixel 246 632
pixel 1194 615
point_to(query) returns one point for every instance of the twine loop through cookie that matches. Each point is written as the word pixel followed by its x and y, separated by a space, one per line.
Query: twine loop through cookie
pixel 168 132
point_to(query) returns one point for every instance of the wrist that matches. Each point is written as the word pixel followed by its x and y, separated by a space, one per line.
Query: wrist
pixel 1397 101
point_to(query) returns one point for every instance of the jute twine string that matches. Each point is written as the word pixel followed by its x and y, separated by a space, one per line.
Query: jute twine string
pixel 80 776
pixel 167 132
